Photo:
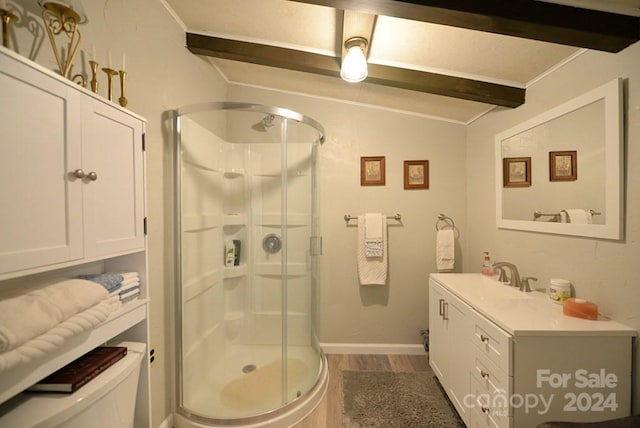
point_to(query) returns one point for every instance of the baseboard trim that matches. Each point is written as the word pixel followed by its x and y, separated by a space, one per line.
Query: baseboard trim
pixel 168 422
pixel 373 348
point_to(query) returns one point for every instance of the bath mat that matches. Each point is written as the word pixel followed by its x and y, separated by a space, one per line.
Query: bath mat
pixel 393 399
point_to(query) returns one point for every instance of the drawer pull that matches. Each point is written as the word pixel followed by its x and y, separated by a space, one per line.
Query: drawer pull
pixel 484 339
pixel 484 409
pixel 445 316
pixel 441 308
pixel 485 375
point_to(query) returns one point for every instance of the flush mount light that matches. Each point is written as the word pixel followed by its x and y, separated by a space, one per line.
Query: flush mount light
pixel 354 63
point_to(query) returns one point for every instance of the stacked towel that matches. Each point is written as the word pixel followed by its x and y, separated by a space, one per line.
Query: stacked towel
pixel 373 243
pixel 372 270
pixel 123 287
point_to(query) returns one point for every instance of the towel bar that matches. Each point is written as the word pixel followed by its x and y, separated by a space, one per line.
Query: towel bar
pixel 538 214
pixel 396 217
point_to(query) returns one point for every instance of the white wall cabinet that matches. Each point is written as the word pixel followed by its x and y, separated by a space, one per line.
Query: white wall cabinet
pixel 71 172
pixel 72 192
pixel 512 359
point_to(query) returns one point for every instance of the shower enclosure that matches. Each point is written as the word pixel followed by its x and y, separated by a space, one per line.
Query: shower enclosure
pixel 247 247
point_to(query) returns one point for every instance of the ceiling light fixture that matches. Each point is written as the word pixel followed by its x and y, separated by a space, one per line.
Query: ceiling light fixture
pixel 354 63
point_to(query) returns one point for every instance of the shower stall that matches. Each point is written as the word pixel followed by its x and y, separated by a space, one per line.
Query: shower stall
pixel 247 245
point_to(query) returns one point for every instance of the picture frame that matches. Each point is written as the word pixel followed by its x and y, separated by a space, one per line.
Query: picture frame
pixel 372 171
pixel 416 174
pixel 563 165
pixel 516 172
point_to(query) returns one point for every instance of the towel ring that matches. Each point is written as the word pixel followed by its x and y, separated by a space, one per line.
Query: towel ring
pixel 448 222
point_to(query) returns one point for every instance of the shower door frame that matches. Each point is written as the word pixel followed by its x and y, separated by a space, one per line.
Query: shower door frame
pixel 285 115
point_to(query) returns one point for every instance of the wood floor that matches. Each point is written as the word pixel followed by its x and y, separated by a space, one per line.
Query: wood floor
pixel 329 411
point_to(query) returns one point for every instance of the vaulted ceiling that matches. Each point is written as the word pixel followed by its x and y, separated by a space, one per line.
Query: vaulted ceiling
pixel 453 60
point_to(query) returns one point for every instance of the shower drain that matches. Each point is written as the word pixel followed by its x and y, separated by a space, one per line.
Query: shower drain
pixel 248 368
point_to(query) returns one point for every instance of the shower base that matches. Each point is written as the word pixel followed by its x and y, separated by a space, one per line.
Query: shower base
pixel 241 389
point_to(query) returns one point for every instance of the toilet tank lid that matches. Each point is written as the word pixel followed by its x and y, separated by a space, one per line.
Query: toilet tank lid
pixel 32 409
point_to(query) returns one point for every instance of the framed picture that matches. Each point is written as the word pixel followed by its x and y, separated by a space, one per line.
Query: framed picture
pixel 416 174
pixel 516 172
pixel 563 166
pixel 372 171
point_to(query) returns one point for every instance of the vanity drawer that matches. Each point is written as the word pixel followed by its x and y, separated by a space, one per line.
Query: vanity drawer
pixel 487 410
pixel 489 376
pixel 492 342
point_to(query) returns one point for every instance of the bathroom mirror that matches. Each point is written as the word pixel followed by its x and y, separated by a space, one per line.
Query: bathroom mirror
pixel 575 165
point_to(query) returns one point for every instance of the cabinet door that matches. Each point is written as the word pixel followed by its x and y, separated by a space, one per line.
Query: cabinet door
pixel 41 215
pixel 113 198
pixel 449 334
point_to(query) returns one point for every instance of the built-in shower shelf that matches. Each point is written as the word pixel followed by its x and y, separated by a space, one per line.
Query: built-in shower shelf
pixel 202 283
pixel 196 164
pixel 233 315
pixel 234 173
pixel 196 222
pixel 293 219
pixel 234 219
pixel 235 271
pixel 290 174
pixel 293 269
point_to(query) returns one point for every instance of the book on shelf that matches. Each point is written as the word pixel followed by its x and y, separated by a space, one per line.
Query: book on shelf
pixel 77 373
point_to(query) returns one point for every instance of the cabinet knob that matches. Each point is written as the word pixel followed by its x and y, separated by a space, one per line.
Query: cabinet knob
pixel 484 339
pixel 485 375
pixel 79 173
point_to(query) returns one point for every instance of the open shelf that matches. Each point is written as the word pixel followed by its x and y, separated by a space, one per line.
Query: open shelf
pixel 23 376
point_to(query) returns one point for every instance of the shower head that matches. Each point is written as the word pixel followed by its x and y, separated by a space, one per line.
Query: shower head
pixel 266 122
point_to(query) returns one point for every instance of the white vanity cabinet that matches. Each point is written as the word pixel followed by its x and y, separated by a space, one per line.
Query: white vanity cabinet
pixel 71 171
pixel 511 359
pixel 72 196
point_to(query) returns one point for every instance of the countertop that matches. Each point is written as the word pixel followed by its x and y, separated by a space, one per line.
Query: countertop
pixel 520 313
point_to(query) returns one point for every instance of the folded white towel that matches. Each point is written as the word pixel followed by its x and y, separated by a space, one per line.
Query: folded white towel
pixel 27 311
pixel 578 216
pixel 373 237
pixel 128 283
pixel 445 249
pixel 371 270
pixel 41 345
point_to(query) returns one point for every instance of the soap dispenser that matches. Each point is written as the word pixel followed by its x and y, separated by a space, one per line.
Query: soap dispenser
pixel 487 268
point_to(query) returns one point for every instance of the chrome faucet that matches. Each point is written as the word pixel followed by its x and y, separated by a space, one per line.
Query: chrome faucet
pixel 514 278
pixel 525 283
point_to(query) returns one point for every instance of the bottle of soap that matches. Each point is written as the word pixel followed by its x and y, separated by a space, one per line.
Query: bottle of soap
pixel 487 268
pixel 229 254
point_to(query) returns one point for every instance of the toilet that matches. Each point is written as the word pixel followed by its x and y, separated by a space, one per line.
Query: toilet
pixel 107 401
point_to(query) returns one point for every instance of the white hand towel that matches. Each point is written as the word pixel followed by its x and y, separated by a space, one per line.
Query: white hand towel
pixel 445 250
pixel 371 270
pixel 373 238
pixel 579 216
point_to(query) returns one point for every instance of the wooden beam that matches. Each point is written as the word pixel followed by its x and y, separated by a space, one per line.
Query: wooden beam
pixel 357 24
pixel 457 87
pixel 529 19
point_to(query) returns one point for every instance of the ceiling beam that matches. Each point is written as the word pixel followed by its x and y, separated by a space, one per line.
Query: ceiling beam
pixel 357 24
pixel 529 19
pixel 273 56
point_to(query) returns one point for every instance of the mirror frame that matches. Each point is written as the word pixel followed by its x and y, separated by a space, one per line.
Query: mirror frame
pixel 612 94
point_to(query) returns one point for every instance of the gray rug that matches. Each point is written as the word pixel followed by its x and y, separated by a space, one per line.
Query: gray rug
pixel 392 399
